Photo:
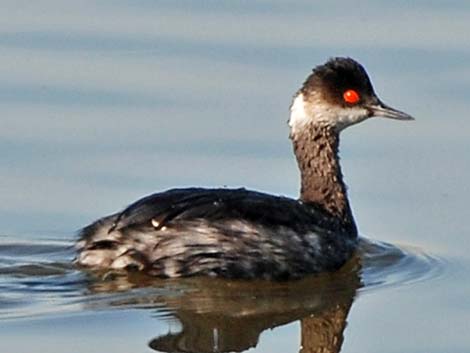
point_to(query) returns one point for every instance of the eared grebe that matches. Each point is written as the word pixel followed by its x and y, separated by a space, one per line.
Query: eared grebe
pixel 238 233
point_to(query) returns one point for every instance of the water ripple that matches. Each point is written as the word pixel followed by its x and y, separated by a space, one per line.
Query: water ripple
pixel 37 278
pixel 386 265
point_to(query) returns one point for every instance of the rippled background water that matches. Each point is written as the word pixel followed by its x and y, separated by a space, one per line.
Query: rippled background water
pixel 103 102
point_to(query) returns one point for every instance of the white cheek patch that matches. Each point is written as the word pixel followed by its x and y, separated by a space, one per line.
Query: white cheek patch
pixel 345 117
pixel 303 112
pixel 298 114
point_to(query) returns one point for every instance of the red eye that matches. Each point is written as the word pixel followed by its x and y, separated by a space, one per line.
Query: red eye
pixel 351 96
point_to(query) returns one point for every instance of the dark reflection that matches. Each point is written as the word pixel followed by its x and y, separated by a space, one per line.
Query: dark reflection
pixel 229 316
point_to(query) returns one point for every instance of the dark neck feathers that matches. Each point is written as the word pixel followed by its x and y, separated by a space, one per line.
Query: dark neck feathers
pixel 316 149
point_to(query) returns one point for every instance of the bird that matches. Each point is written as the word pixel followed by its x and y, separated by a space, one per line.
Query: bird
pixel 246 234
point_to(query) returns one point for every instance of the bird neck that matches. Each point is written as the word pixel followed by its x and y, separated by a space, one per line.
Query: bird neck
pixel 316 149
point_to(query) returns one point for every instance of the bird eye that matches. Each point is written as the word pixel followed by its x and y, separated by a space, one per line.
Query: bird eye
pixel 351 96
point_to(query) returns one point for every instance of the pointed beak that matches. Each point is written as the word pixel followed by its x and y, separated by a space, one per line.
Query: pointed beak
pixel 380 109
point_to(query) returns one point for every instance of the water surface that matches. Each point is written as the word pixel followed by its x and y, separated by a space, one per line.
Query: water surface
pixel 203 314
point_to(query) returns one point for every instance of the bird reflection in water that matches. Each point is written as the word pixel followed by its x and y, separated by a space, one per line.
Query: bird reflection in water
pixel 219 315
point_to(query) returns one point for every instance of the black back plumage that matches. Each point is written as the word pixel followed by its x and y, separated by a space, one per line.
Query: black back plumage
pixel 234 233
pixel 218 205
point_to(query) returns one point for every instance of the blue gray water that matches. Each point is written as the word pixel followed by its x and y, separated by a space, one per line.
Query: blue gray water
pixel 104 102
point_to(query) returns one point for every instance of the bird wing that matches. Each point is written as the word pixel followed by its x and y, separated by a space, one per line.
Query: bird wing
pixel 218 205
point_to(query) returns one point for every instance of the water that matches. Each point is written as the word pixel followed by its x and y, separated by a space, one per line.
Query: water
pixel 211 315
pixel 102 103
